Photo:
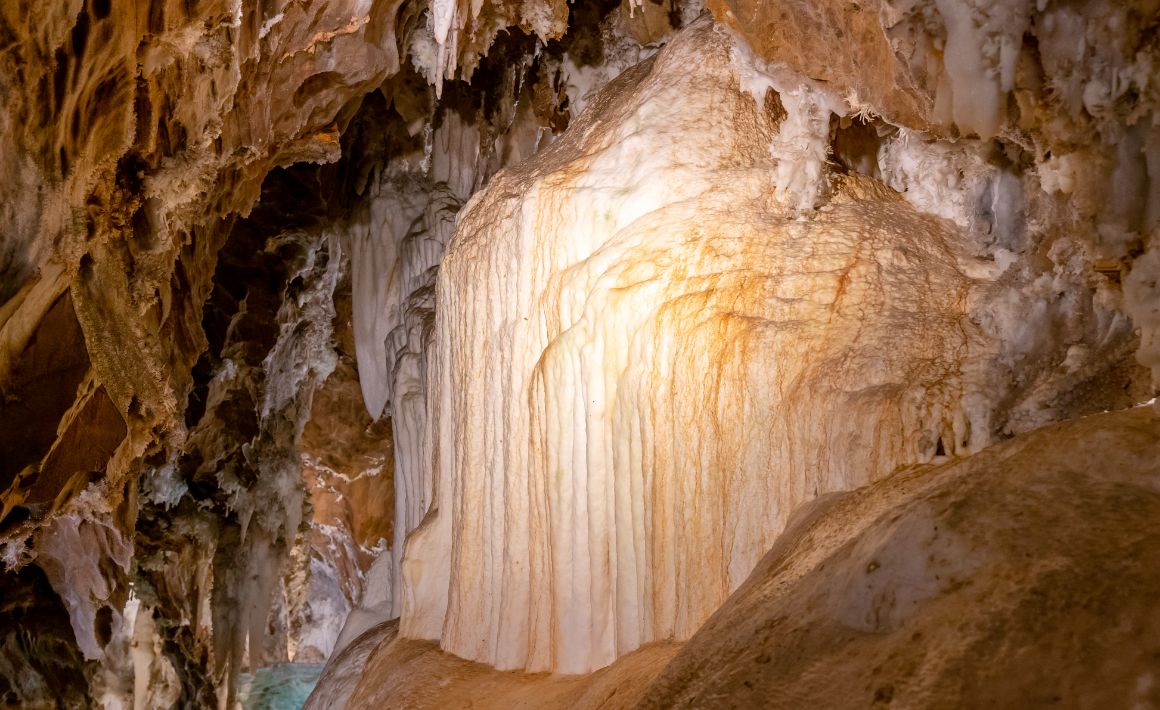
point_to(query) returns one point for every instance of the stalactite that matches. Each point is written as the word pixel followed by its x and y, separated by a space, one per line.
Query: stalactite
pixel 618 290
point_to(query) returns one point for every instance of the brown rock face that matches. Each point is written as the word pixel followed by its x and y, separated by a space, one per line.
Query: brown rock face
pixel 90 436
pixel 347 460
pixel 40 387
pixel 947 66
pixel 347 465
pixel 1019 577
pixel 841 43
pixel 341 438
pixel 393 662
pixel 132 133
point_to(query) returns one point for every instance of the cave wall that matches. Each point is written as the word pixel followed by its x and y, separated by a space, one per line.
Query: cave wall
pixel 137 134
pixel 196 187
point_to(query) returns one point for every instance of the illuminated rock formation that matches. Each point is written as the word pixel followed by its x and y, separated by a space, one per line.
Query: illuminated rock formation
pixel 615 350
pixel 624 361
pixel 698 272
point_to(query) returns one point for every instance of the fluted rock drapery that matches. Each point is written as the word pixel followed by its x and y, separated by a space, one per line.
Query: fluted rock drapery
pixel 646 357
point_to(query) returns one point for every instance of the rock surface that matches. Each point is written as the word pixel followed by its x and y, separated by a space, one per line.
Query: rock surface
pixel 242 396
pixel 1022 576
pixel 588 401
pixel 381 669
pixel 1017 577
pixel 639 379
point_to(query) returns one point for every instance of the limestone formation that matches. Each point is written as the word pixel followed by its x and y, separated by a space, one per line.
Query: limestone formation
pixel 522 329
pixel 601 337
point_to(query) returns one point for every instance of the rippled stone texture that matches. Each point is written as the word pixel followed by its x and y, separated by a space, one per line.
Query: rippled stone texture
pixel 787 254
pixel 640 378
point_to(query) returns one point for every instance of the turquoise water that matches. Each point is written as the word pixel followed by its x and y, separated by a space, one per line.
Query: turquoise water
pixel 281 687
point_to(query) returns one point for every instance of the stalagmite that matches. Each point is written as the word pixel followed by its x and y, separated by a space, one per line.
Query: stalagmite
pixel 445 340
pixel 622 361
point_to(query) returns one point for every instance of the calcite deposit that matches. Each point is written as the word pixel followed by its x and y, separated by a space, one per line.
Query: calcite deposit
pixel 447 340
pixel 645 318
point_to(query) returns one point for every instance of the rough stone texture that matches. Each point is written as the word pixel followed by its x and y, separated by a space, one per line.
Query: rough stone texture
pixel 1022 576
pixel 841 43
pixel 163 118
pixel 381 669
pixel 1058 85
pixel 461 32
pixel 944 65
pixel 165 295
pixel 133 134
pixel 41 388
pixel 347 461
pixel 348 456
